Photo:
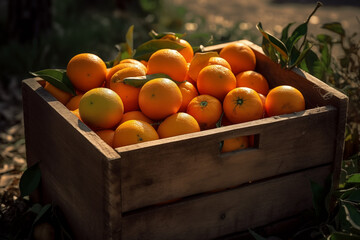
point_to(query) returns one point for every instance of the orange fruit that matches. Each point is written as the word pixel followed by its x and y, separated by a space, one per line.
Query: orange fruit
pixel 73 103
pixel 76 113
pixel 128 94
pixel 159 98
pixel 178 124
pixel 168 61
pixel 219 61
pixel 107 135
pixel 135 115
pixel 242 104
pixel 188 92
pixel 86 71
pixel 134 131
pixel 206 110
pixel 187 51
pixel 59 94
pixel 199 61
pixel 283 100
pixel 240 57
pixel 215 80
pixel 101 108
pixel 120 66
pixel 253 80
pixel 232 144
pixel 263 98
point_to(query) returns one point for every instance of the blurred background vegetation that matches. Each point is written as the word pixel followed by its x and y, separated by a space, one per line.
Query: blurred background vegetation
pixel 47 33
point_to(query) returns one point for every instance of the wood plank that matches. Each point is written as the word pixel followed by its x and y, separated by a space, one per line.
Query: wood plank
pixel 156 171
pixel 226 212
pixel 73 162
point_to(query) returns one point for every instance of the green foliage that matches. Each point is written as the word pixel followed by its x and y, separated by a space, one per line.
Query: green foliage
pixel 56 77
pixel 285 50
pixel 30 180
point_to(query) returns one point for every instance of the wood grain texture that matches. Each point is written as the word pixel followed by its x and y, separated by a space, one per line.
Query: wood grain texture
pixel 185 165
pixel 228 211
pixel 73 162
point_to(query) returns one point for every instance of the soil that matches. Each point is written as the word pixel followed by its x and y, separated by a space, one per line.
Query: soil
pixel 276 14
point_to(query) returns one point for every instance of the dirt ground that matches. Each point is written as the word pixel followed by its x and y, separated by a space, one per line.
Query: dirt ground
pixel 276 14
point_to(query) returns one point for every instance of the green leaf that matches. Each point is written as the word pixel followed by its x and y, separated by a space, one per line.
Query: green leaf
pixel 301 56
pixel 354 178
pixel 130 40
pixel 343 236
pixel 285 32
pixel 325 56
pixel 297 34
pixel 352 215
pixel 145 50
pixel 56 77
pixel 310 60
pixel 275 42
pixel 335 27
pixel 354 196
pixel 30 180
pixel 256 236
pixel 319 194
pixel 269 50
pixel 324 38
pixel 138 82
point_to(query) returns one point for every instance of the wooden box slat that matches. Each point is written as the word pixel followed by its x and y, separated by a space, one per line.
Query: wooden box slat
pixel 108 193
pixel 226 212
pixel 186 167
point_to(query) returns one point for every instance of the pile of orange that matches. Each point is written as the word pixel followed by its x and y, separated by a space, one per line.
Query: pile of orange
pixel 203 90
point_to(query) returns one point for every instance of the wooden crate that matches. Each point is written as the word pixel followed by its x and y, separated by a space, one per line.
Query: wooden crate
pixel 115 194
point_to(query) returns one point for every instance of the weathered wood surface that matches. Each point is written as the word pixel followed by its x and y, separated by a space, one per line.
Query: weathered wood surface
pixel 72 162
pixel 226 212
pixel 183 166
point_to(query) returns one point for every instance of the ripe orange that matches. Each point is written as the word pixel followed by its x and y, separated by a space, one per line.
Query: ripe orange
pixel 86 71
pixel 134 131
pixel 242 104
pixel 59 94
pixel 253 80
pixel 240 57
pixel 219 61
pixel 101 108
pixel 232 144
pixel 188 92
pixel 263 98
pixel 168 61
pixel 120 66
pixel 135 115
pixel 159 98
pixel 177 124
pixel 128 94
pixel 199 61
pixel 283 100
pixel 187 51
pixel 215 80
pixel 73 103
pixel 76 113
pixel 206 110
pixel 107 135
